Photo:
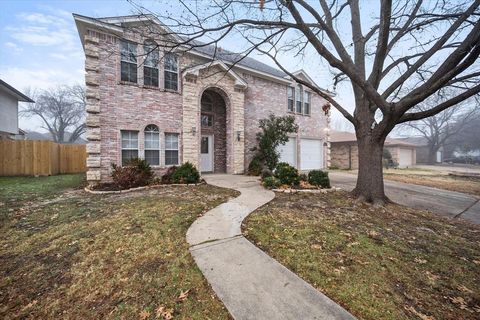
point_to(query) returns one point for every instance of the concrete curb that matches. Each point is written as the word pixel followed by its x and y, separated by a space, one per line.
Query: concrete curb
pixel 157 186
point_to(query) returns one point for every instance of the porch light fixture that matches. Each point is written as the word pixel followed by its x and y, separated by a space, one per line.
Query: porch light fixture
pixel 239 134
pixel 194 131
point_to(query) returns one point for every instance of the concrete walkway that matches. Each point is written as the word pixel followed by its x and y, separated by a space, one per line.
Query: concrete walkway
pixel 251 284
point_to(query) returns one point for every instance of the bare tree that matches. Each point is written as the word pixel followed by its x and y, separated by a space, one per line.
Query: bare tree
pixel 62 111
pixel 446 126
pixel 386 47
pixel 467 137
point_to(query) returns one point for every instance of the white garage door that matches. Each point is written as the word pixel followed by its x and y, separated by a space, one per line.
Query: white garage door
pixel 288 152
pixel 311 154
pixel 405 158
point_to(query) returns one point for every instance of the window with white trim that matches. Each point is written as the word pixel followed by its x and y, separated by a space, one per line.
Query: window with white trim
pixel 290 99
pixel 171 149
pixel 152 145
pixel 128 61
pixel 307 97
pixel 171 71
pixel 129 146
pixel 150 68
pixel 298 96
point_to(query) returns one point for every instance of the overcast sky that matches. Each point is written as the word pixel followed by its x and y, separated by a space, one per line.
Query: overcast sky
pixel 40 47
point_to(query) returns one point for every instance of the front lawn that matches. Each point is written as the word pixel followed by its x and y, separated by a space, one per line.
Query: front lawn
pixel 436 179
pixel 82 256
pixel 378 263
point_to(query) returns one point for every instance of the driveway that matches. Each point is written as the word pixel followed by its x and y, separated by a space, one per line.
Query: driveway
pixel 447 203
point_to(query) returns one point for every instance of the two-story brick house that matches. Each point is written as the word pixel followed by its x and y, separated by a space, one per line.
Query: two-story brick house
pixel 173 106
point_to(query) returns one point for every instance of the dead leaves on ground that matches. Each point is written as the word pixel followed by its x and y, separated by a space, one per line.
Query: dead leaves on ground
pixel 163 312
pixel 418 314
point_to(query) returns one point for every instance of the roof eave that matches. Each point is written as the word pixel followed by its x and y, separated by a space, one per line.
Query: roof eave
pixel 82 22
pixel 14 92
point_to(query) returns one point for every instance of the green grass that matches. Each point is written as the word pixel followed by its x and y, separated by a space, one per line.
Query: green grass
pixel 15 189
pixel 83 256
pixel 379 263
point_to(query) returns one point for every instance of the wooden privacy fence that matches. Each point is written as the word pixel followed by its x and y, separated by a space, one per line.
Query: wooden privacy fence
pixel 31 158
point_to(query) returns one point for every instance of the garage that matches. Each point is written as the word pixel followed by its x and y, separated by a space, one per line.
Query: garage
pixel 311 154
pixel 405 158
pixel 288 152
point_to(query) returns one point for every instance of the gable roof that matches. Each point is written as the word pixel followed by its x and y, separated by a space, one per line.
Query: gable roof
pixel 344 136
pixel 14 92
pixel 239 82
pixel 114 25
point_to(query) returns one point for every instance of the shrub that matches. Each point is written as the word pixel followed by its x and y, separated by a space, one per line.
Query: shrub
pixel 287 174
pixel 274 132
pixel 303 177
pixel 186 173
pixel 167 177
pixel 319 178
pixel 136 173
pixel 255 167
pixel 266 173
pixel 271 183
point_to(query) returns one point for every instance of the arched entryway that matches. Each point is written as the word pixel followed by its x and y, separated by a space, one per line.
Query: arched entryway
pixel 213 140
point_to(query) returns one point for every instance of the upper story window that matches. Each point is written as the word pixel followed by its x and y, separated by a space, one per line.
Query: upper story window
pixel 298 96
pixel 307 97
pixel 128 64
pixel 291 98
pixel 129 146
pixel 150 68
pixel 171 71
pixel 152 145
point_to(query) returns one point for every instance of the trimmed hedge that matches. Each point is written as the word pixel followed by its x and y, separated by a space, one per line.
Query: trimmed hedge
pixel 186 173
pixel 319 178
pixel 287 174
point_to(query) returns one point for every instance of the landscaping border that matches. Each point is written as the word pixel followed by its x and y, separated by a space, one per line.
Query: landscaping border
pixel 333 189
pixel 156 186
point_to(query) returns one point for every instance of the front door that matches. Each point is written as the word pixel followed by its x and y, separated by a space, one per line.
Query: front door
pixel 206 153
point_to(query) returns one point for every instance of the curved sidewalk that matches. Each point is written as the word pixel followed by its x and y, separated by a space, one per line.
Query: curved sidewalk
pixel 251 284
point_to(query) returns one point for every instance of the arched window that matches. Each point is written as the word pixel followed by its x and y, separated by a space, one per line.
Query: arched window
pixel 207 103
pixel 152 145
pixel 150 67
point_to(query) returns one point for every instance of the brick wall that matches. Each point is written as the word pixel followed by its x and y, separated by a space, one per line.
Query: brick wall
pixel 264 97
pixel 344 155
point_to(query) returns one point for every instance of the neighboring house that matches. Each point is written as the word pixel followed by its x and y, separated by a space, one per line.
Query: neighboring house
pixel 9 98
pixel 34 135
pixel 170 108
pixel 422 149
pixel 344 151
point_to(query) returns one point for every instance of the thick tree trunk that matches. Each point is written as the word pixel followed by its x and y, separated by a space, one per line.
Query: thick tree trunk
pixel 370 186
pixel 432 155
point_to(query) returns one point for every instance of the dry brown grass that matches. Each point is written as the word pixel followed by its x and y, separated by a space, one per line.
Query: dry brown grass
pixel 469 185
pixel 83 256
pixel 379 263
